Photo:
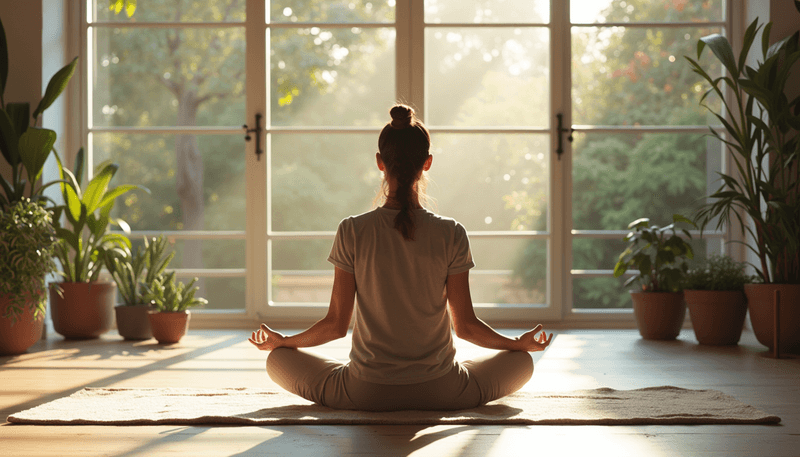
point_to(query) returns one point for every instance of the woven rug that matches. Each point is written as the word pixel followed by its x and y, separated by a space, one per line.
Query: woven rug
pixel 245 406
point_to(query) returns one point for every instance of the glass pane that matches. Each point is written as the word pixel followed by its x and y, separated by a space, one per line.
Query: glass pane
pixel 195 182
pixel 336 11
pixel 491 182
pixel 602 254
pixel 171 11
pixel 487 11
pixel 600 293
pixel 301 272
pixel 332 77
pixel 221 293
pixel 487 76
pixel 224 253
pixel 588 11
pixel 610 292
pixel 319 179
pixel 620 177
pixel 166 77
pixel 509 271
pixel 639 76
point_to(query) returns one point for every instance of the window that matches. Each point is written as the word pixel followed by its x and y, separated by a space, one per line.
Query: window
pixel 168 88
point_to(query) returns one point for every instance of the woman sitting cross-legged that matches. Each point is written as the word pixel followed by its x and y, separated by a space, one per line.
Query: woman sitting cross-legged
pixel 400 266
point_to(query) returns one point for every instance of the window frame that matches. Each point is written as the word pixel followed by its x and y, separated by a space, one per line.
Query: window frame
pixel 410 86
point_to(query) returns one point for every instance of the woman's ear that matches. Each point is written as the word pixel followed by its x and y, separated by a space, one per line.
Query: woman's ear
pixel 428 162
pixel 381 166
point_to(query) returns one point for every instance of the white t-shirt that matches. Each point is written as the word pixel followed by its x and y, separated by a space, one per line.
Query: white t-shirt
pixel 402 325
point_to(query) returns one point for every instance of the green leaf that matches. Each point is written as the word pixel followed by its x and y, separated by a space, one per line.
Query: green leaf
pixel 639 223
pixel 3 60
pixel 97 187
pixel 111 195
pixel 9 140
pixel 749 36
pixel 34 147
pixel 79 165
pixel 19 114
pixel 679 218
pixel 722 49
pixel 765 38
pixel 56 85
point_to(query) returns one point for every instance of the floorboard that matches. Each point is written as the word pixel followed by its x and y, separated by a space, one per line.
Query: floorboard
pixel 577 359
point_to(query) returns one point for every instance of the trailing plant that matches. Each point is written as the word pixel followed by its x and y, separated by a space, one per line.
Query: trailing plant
pixel 717 272
pixel 81 247
pixel 658 253
pixel 168 295
pixel 25 146
pixel 132 271
pixel 760 130
pixel 27 238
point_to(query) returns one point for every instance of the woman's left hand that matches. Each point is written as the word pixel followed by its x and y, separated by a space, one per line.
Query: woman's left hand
pixel 266 339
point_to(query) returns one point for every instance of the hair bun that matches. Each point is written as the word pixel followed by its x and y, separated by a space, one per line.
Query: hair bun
pixel 402 116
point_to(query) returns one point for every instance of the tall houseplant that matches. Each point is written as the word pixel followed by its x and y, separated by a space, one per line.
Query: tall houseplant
pixel 82 306
pixel 760 130
pixel 659 254
pixel 135 273
pixel 26 250
pixel 25 146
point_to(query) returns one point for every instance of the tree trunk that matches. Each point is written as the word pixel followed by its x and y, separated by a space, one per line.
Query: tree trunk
pixel 189 182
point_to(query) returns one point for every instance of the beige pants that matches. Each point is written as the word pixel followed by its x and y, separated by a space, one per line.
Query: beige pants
pixel 330 383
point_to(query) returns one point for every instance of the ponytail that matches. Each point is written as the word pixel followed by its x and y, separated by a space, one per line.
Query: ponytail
pixel 404 146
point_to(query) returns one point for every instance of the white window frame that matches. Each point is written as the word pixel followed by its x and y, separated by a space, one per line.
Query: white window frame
pixel 410 86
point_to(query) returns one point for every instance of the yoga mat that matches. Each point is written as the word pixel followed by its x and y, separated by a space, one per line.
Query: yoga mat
pixel 665 405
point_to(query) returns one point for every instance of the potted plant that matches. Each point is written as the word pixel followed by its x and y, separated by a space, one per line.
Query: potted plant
pixel 26 249
pixel 714 293
pixel 132 273
pixel 760 130
pixel 171 300
pixel 659 254
pixel 81 305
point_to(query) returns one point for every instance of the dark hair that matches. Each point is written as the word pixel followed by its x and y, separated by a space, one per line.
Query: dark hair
pixel 404 145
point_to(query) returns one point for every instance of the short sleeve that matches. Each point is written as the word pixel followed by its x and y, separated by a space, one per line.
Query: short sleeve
pixel 342 252
pixel 461 260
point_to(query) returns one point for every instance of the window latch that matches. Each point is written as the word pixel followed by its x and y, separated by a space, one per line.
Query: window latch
pixel 257 131
pixel 561 129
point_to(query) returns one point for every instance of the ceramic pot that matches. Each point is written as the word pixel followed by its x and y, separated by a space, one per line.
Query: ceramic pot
pixel 16 336
pixel 84 309
pixel 717 315
pixel 659 315
pixel 760 302
pixel 169 327
pixel 133 321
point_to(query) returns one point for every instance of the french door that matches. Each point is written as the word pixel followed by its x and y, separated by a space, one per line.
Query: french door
pixel 520 97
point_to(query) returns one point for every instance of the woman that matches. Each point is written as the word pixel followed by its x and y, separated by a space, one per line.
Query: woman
pixel 404 265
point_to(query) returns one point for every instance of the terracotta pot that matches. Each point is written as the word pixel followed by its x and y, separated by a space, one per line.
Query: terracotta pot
pixel 760 302
pixel 169 327
pixel 717 315
pixel 17 336
pixel 133 321
pixel 86 309
pixel 659 315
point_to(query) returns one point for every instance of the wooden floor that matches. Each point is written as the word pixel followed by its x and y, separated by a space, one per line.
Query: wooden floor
pixel 577 359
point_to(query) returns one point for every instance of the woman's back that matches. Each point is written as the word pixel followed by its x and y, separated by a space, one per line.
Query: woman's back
pixel 402 326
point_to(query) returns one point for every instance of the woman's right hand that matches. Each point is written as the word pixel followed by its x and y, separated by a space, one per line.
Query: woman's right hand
pixel 531 343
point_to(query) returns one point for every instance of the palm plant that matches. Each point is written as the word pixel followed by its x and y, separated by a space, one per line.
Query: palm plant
pixel 760 129
pixel 133 272
pixel 168 295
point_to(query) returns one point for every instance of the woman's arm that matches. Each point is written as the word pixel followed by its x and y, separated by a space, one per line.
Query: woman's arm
pixel 469 327
pixel 333 326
